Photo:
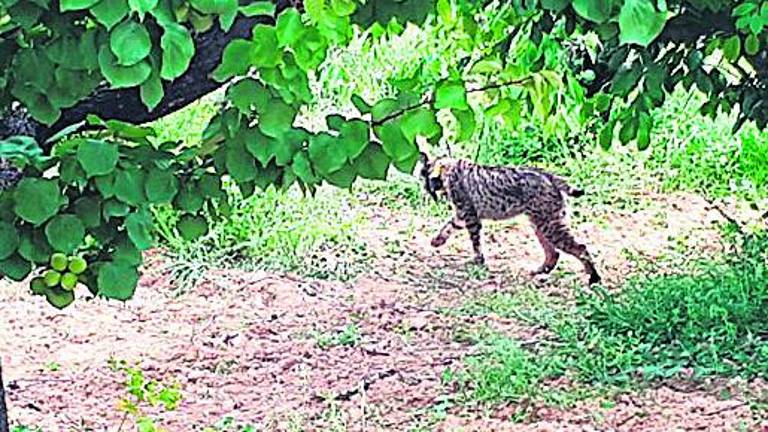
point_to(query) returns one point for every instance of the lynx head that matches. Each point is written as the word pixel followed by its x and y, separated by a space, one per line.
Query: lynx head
pixel 432 174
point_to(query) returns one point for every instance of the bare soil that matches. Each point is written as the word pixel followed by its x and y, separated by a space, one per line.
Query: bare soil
pixel 245 344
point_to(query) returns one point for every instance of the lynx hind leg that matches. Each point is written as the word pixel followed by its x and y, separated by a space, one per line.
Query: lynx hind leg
pixel 551 256
pixel 558 235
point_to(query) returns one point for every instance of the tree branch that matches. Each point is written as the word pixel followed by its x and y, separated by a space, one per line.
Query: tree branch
pixel 126 104
pixel 431 100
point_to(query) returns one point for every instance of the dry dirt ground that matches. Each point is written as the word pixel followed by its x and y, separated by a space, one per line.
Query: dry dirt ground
pixel 245 344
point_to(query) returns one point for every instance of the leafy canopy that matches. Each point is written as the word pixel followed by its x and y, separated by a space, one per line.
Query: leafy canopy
pixel 624 56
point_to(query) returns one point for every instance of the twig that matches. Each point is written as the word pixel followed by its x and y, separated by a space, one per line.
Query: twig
pixel 366 384
pixel 431 100
pixel 628 419
pixel 728 408
pixel 122 422
pixel 729 218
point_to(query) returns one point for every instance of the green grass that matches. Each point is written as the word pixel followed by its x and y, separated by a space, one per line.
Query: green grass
pixel 312 236
pixel 709 320
pixel 348 336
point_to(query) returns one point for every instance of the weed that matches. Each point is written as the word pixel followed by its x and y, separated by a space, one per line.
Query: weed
pixel 22 428
pixel 477 272
pixel 314 236
pixel 230 424
pixel 143 394
pixel 709 319
pixel 348 336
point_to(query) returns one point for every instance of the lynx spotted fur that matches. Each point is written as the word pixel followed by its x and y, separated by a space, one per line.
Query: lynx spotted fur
pixel 480 193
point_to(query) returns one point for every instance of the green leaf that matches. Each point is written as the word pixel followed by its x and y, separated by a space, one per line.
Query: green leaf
pixel 394 142
pixel 384 108
pixel 88 209
pixel 151 91
pixel 139 226
pixel 37 200
pixel 258 8
pixel 59 298
pixel 752 45
pixel 354 136
pixel 640 23
pixel 644 131
pixel 467 124
pixel 65 233
pixel 15 268
pixel 117 281
pixel 373 163
pixel 192 227
pixel 34 247
pixel 130 42
pixel 745 8
pixel 594 10
pixel 97 158
pixel 236 60
pixel 9 240
pixel 732 48
pixel 161 186
pixel 71 5
pixel 342 178
pixel 265 53
pixel 326 154
pixel 115 208
pixel 625 81
pixel 451 95
pixel 142 6
pixel 210 185
pixel 110 12
pixel 129 186
pixel 290 28
pixel 606 135
pixel 122 76
pixel 361 105
pixel 126 253
pixel 278 119
pixel 189 199
pixel 226 9
pixel 248 95
pixel 343 7
pixel 555 5
pixel 240 164
pixel 178 50
pixel 303 168
pixel 420 122
pixel 628 130
pixel 106 185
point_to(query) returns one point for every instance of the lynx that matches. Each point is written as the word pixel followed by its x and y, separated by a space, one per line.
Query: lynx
pixel 480 192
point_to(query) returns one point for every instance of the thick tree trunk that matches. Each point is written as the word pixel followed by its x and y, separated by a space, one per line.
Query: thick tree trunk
pixel 3 408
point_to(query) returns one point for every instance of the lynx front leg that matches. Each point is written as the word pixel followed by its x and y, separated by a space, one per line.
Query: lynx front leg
pixel 474 227
pixel 448 229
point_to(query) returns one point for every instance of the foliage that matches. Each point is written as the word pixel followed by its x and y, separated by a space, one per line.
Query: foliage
pixel 506 59
pixel 315 237
pixel 143 394
pixel 348 336
pixel 707 321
